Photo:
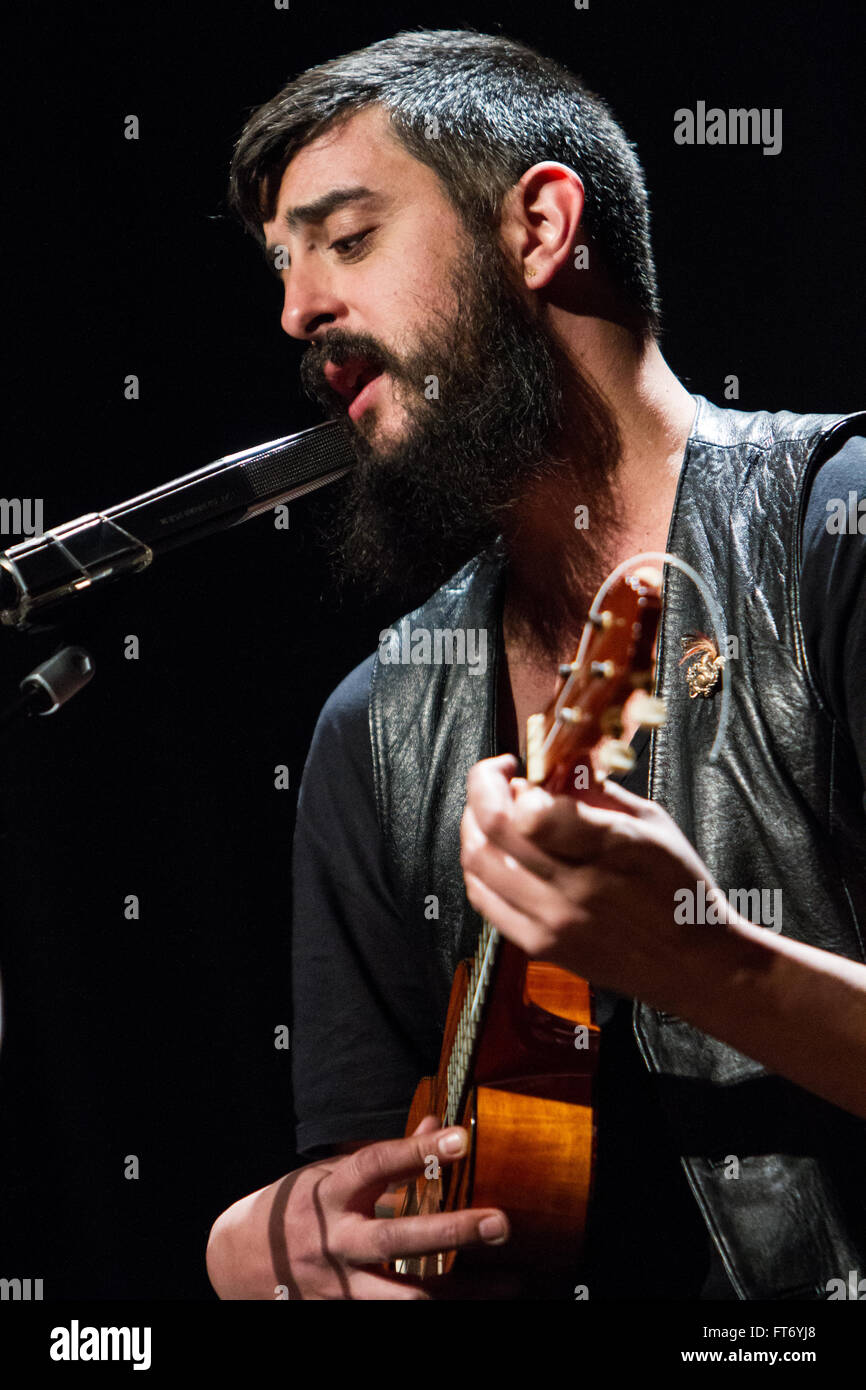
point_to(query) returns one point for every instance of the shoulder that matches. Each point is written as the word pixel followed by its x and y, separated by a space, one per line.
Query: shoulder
pixel 345 710
pixel 841 472
pixel 724 427
pixel 835 512
pixel 832 581
pixel 340 755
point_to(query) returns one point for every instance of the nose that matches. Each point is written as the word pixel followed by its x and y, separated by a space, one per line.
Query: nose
pixel 309 304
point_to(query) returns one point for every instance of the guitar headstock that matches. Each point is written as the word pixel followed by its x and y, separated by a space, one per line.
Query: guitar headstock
pixel 609 680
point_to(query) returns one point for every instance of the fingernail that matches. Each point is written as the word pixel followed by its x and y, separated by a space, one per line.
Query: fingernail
pixel 492 1229
pixel 453 1142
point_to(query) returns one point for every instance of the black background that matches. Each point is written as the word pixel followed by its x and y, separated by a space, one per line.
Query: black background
pixel 156 1037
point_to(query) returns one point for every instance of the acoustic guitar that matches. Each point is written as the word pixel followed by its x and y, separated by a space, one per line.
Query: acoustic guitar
pixel 520 1045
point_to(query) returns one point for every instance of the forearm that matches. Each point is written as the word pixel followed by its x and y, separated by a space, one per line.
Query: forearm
pixel 798 1010
pixel 246 1252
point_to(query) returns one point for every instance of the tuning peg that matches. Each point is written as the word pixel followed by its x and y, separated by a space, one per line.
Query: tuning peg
pixel 604 619
pixel 648 710
pixel 611 721
pixel 616 757
pixel 572 716
pixel 603 669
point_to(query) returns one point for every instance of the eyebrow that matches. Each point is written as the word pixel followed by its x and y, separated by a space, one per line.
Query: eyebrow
pixel 312 214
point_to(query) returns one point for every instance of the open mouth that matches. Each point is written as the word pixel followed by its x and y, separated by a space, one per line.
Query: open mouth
pixel 350 379
pixel 365 376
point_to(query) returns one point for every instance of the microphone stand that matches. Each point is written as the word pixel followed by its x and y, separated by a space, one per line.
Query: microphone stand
pixel 50 685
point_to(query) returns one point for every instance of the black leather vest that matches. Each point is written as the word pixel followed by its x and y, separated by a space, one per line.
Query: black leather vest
pixel 782 808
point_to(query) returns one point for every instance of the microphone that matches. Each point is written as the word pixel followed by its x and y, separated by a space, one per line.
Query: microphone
pixel 70 559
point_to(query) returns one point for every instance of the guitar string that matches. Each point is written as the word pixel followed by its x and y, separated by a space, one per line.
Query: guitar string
pixel 467 1026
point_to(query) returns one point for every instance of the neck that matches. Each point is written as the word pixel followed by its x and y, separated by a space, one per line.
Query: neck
pixel 618 465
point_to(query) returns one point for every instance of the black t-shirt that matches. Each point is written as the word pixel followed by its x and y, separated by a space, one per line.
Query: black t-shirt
pixel 364 1029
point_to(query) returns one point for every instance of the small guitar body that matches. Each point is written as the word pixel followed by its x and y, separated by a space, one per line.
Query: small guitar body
pixel 528 1111
pixel 520 1046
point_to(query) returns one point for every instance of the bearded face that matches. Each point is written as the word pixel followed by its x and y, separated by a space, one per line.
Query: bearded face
pixel 491 405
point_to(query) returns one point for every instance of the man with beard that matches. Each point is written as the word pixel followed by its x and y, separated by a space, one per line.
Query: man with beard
pixel 461 231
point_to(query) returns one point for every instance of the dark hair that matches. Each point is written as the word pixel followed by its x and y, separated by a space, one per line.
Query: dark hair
pixel 493 108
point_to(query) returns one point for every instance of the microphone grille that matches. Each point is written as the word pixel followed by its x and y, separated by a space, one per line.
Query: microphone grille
pixel 301 463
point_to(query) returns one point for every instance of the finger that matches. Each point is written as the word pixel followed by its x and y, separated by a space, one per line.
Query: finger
pixel 501 772
pixel 484 860
pixel 505 764
pixel 359 1178
pixel 402 1237
pixel 554 824
pixel 538 900
pixel 473 841
pixel 488 785
pixel 617 798
pixel 579 830
pixel 531 826
pixel 607 795
pixel 428 1125
pixel 521 927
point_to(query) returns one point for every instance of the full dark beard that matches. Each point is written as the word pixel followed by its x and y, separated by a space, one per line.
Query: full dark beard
pixel 496 410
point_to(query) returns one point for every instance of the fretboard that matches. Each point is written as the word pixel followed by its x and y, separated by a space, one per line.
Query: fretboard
pixel 470 1020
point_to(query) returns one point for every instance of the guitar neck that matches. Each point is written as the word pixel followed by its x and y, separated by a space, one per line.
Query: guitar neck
pixel 578 733
pixel 460 1060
